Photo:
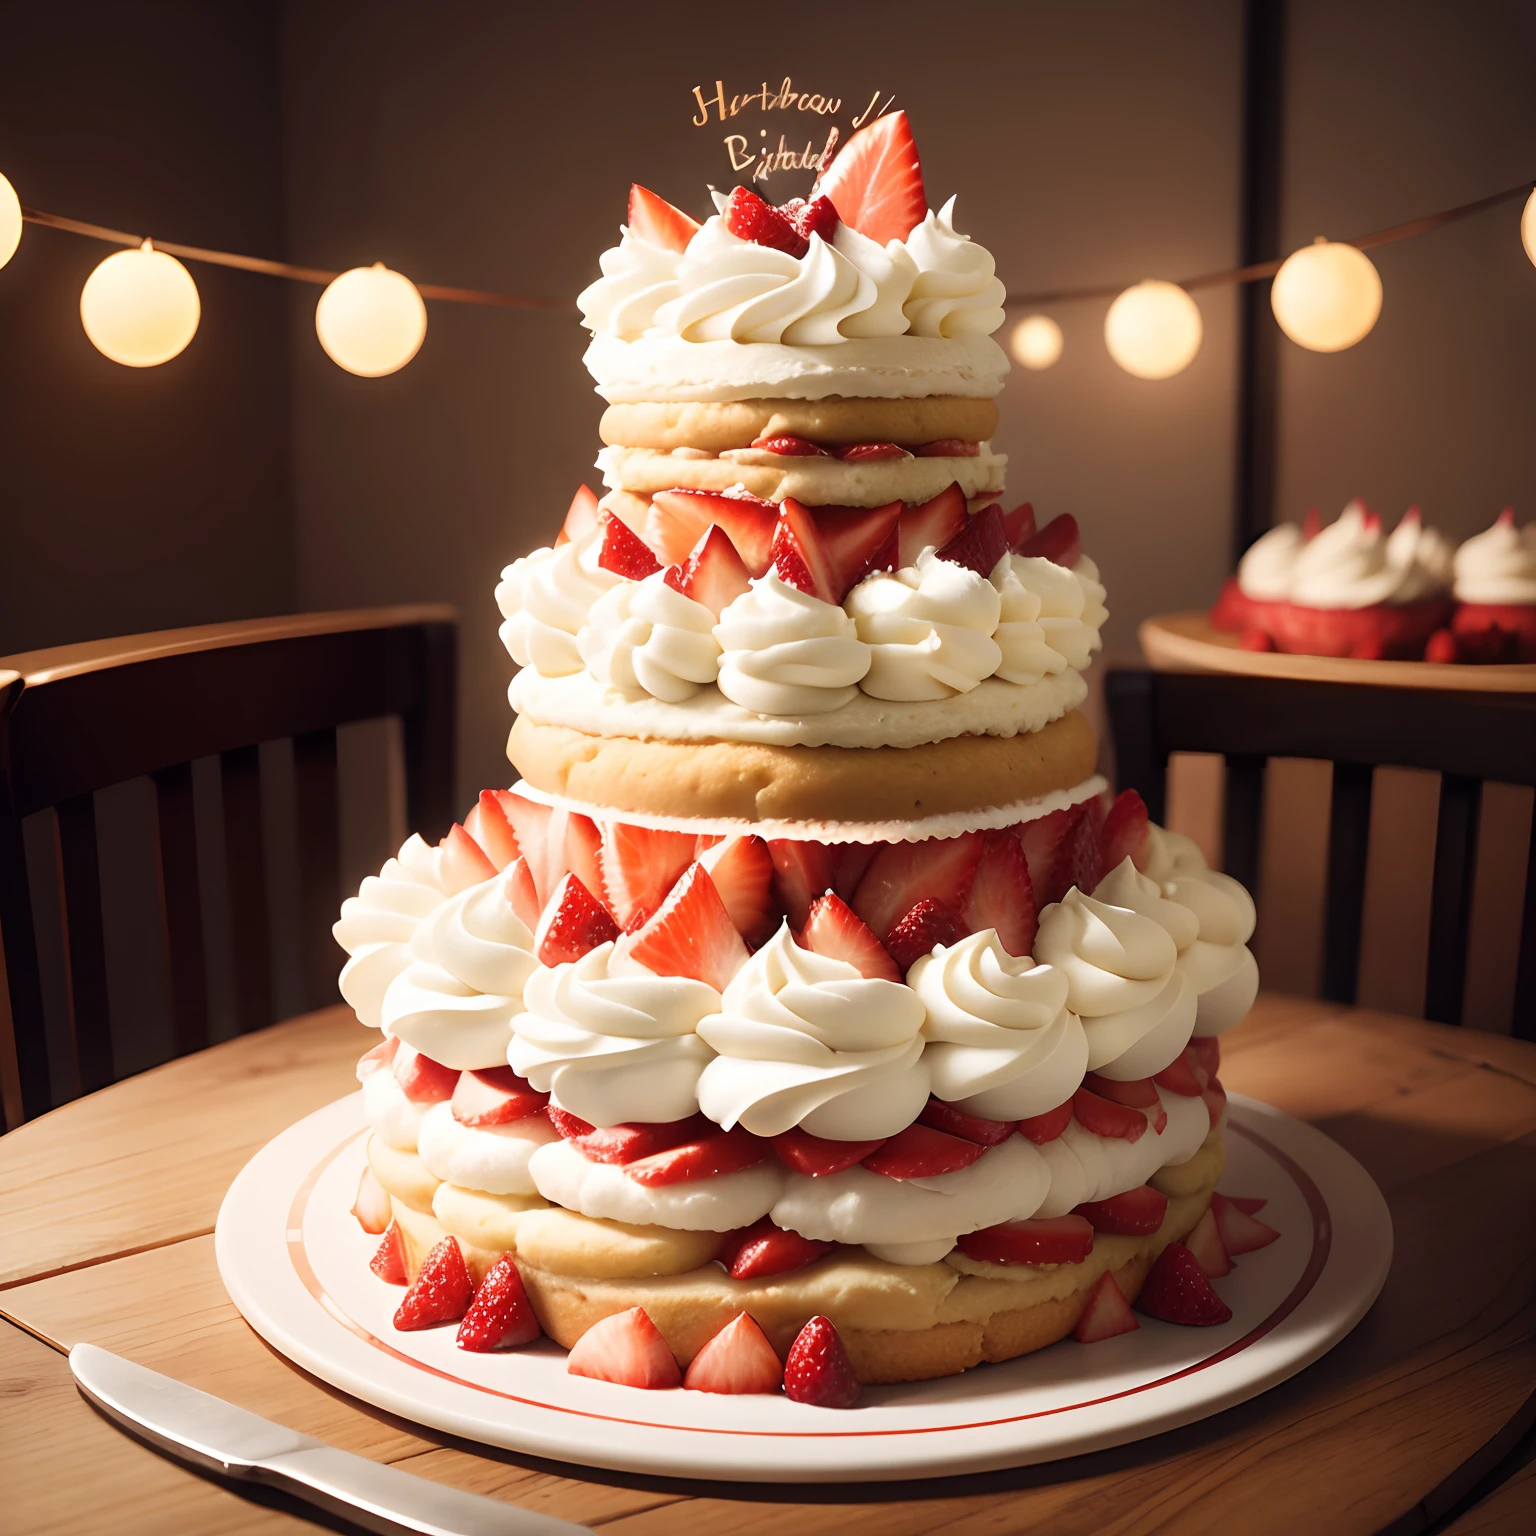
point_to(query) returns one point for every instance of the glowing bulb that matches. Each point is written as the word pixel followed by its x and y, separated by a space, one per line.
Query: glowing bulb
pixel 1326 296
pixel 371 320
pixel 140 307
pixel 1036 341
pixel 1153 330
pixel 10 221
pixel 1527 229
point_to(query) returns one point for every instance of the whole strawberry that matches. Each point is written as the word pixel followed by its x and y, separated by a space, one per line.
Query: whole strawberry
pixel 818 1370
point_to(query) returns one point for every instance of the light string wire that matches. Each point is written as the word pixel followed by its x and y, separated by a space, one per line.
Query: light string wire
pixel 300 274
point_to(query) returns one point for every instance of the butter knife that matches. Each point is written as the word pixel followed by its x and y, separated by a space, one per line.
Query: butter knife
pixel 207 1432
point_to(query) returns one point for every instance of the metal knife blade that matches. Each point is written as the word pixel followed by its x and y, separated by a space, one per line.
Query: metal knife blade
pixel 202 1429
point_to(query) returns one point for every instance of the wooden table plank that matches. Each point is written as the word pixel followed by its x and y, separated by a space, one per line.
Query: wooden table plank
pixel 1507 1511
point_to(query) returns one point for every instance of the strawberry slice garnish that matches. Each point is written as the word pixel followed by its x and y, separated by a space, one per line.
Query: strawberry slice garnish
pixel 791 447
pixel 529 820
pixel 1019 524
pixel 981 543
pixel 1207 1052
pixel 1059 541
pixel 626 1348
pixel 441 1291
pixel 1062 850
pixel 921 1152
pixel 876 181
pixel 691 934
pixel 640 865
pixel 389 1262
pixel 902 874
pixel 1048 1126
pixel 574 923
pixel 833 929
pixel 523 894
pixel 1241 1231
pixel 487 823
pixel 1182 1076
pixel 800 555
pixel 1140 1093
pixel 626 1143
pixel 1103 1117
pixel 1177 1291
pixel 764 1249
pixel 817 217
pixel 865 453
pixel 1124 833
pixel 464 860
pixel 500 1316
pixel 422 1080
pixel 714 574
pixel 623 552
pixel 748 217
pixel 1250 1205
pixel 654 219
pixel 710 1156
pixel 1209 1250
pixel 1002 897
pixel 1044 1240
pixel 371 1208
pixel 581 519
pixel 985 1133
pixel 742 870
pixel 738 1359
pixel 859 541
pixel 1107 1313
pixel 377 1059
pixel 802 870
pixel 929 924
pixel 850 861
pixel 948 448
pixel 678 519
pixel 932 524
pixel 1135 1213
pixel 818 1370
pixel 494 1096
pixel 817 1156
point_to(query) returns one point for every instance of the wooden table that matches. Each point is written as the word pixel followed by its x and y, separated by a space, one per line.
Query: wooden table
pixel 107 1208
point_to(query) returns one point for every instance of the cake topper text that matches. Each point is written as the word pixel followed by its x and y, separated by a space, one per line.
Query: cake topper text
pixel 762 160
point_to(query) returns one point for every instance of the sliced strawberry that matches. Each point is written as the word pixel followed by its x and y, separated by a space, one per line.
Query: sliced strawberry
pixel 818 1370
pixel 464 860
pixel 929 924
pixel 860 540
pixel 371 1207
pixel 714 574
pixel 654 219
pixel 1048 1126
pixel 876 181
pixel 903 874
pixel 817 217
pixel 624 553
pixel 1124 833
pixel 389 1262
pixel 738 1359
pixel 626 1348
pixel 581 849
pixel 1002 896
pixel 530 822
pixel 574 922
pixel 1241 1231
pixel 791 447
pixel 748 217
pixel 981 543
pixel 921 1152
pixel 817 1156
pixel 1215 1097
pixel 1250 1205
pixel 709 1157
pixel 679 519
pixel 441 1291
pixel 1177 1291
pixel 691 934
pixel 832 929
pixel 1045 1240
pixel 1207 1051
pixel 1103 1117
pixel 487 823
pixel 800 555
pixel 764 1249
pixel 494 1096
pixel 868 453
pixel 802 870
pixel 1080 860
pixel 1062 850
pixel 1135 1213
pixel 424 1081
pixel 581 519
pixel 985 1133
pixel 640 866
pixel 1138 1094
pixel 626 1143
pixel 1209 1250
pixel 1019 524
pixel 523 894
pixel 932 524
pixel 1059 541
pixel 1107 1313
pixel 500 1316
pixel 742 869
pixel 849 863
pixel 948 448
pixel 376 1060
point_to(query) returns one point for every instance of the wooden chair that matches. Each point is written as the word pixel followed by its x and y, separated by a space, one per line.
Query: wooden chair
pixel 1467 738
pixel 82 718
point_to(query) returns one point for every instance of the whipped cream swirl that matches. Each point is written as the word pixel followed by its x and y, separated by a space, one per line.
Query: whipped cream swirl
pixel 1352 564
pixel 1002 1042
pixel 957 291
pixel 491 1158
pixel 1499 564
pixel 1049 616
pixel 785 652
pixel 805 1040
pixel 611 1042
pixel 546 598
pixel 1267 571
pixel 648 638
pixel 638 278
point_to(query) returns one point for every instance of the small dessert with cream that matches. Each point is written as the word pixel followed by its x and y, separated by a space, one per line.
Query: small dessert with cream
pixel 1495 589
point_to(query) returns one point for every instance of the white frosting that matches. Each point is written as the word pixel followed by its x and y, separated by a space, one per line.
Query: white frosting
pixel 1267 571
pixel 805 1040
pixel 957 292
pixel 613 1044
pixel 1352 564
pixel 493 1158
pixel 648 638
pixel 638 278
pixel 1498 565
pixel 1050 616
pixel 785 652
pixel 928 627
pixel 395 1119
pixel 1002 1042
pixel 545 599
pixel 893 272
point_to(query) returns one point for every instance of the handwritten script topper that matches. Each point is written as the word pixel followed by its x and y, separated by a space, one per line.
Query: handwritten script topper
pixel 763 160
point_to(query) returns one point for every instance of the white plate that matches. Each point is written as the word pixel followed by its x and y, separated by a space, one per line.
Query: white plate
pixel 296 1264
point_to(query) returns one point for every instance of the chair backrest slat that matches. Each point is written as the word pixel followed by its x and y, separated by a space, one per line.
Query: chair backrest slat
pixel 1349 831
pixel 23 1047
pixel 245 854
pixel 85 949
pixel 318 814
pixel 1450 910
pixel 181 905
pixel 1243 817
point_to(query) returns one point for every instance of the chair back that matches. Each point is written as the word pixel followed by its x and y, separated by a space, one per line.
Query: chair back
pixel 1468 738
pixel 82 718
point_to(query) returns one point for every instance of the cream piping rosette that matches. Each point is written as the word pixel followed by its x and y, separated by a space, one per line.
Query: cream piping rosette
pixel 545 599
pixel 648 638
pixel 492 1158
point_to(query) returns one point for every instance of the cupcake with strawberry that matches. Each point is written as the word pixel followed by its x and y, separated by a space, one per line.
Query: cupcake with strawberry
pixel 1495 592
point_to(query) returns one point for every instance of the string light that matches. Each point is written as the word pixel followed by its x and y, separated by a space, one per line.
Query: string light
pixel 140 307
pixel 1326 296
pixel 371 321
pixel 1528 228
pixel 1036 342
pixel 10 221
pixel 1153 329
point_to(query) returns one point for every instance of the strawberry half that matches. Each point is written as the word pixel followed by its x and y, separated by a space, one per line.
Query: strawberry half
pixel 802 870
pixel 1047 1126
pixel 791 447
pixel 1241 1231
pixel 389 1262
pixel 500 1316
pixel 876 181
pixel 1124 833
pixel 1209 1250
pixel 691 934
pixel 1044 1240
pixel 1002 897
pixel 371 1208
pixel 529 820
pixel 654 219
pixel 833 929
pixel 929 924
pixel 581 519
pixel 464 861
pixel 626 1348
pixel 748 217
pixel 1062 850
pixel 1019 524
pixel 623 552
pixel 494 1096
pixel 921 1152
pixel 764 1249
pixel 849 863
pixel 574 923
pixel 1250 1205
pixel 816 217
pixel 902 874
pixel 422 1080
pixel 1140 1093
pixel 1103 1117
pixel 1107 1313
pixel 679 519
pixel 932 524
pixel 1177 1291
pixel 866 453
pixel 1059 542
pixel 711 1156
pixel 985 1133
pixel 713 574
pixel 738 1359
pixel 818 1370
pixel 859 541
pixel 1136 1213
pixel 981 543
pixel 441 1291
pixel 487 823
pixel 640 866
pixel 800 555
pixel 817 1156
pixel 742 870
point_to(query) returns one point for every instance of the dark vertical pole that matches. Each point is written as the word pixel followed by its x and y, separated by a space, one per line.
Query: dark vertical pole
pixel 1264 33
